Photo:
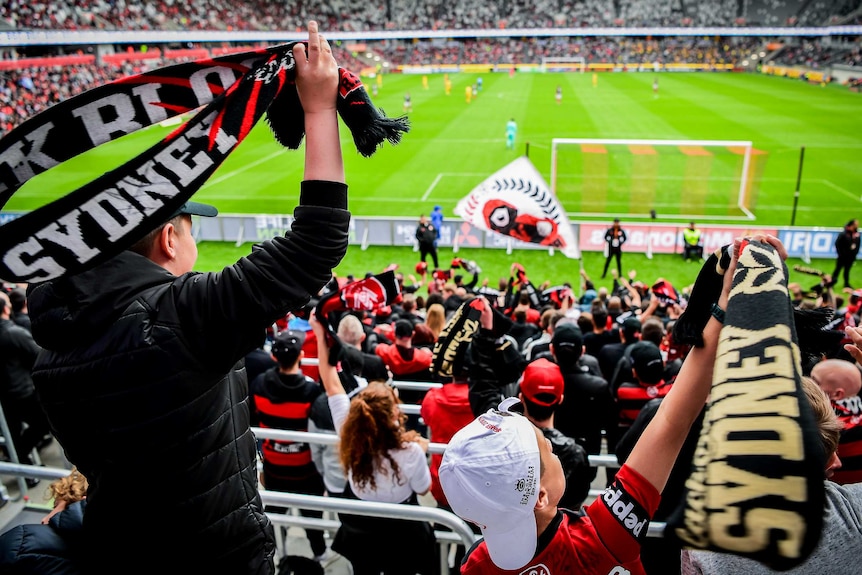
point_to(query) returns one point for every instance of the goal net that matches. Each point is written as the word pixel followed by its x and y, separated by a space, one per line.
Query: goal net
pixel 570 64
pixel 679 179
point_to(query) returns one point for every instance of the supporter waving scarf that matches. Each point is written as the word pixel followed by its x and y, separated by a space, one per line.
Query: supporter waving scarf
pixel 369 294
pixel 107 215
pixel 756 486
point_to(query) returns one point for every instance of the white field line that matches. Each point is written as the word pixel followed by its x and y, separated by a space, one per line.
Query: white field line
pixel 244 168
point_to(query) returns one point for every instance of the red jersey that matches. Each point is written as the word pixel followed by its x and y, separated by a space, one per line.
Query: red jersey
pixel 445 410
pixel 605 540
pixel 849 412
pixel 632 396
pixel 404 361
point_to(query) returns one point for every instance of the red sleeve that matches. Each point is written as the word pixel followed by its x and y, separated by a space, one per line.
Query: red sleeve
pixel 621 514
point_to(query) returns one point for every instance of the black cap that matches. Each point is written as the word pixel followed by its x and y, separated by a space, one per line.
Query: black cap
pixel 631 327
pixel 195 209
pixel 568 335
pixel 287 346
pixel 647 362
pixel 403 328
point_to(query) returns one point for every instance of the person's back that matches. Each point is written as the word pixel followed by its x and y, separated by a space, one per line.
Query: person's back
pixel 20 314
pixel 281 398
pixel 437 219
pixel 610 354
pixel 587 408
pixel 384 463
pixel 28 427
pixel 645 382
pixel 600 336
pixel 172 403
pixel 403 359
pixel 541 390
pixel 522 330
pixel 141 369
pixel 445 410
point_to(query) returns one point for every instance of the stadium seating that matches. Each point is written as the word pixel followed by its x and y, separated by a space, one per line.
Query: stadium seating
pixel 353 15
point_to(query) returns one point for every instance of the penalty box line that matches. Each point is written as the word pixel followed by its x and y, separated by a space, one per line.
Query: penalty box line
pixel 456 174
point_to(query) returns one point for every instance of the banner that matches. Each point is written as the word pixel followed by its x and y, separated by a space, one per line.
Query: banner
pixel 516 202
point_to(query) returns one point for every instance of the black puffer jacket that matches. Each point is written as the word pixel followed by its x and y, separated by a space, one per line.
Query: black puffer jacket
pixel 52 549
pixel 143 382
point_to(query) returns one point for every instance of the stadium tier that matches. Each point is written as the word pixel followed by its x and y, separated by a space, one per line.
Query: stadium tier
pixel 352 15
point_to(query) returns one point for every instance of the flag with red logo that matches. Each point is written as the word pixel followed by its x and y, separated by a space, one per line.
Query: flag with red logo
pixel 516 202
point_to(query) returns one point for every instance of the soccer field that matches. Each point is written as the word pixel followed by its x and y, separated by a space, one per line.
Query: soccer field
pixel 453 146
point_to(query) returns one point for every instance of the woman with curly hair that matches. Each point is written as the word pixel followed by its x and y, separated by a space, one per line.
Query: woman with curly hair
pixel 384 462
pixel 66 491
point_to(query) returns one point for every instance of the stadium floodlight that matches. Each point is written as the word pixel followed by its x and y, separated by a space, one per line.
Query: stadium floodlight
pixel 680 179
pixel 564 64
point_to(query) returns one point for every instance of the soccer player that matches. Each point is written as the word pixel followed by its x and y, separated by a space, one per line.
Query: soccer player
pixel 511 132
pixel 468 93
pixel 655 86
pixel 559 95
pixel 447 85
pixel 595 79
pixel 408 107
pixel 424 82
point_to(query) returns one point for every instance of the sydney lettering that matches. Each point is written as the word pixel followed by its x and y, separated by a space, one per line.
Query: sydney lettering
pixel 115 211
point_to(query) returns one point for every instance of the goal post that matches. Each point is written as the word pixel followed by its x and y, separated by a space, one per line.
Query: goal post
pixel 680 179
pixel 564 64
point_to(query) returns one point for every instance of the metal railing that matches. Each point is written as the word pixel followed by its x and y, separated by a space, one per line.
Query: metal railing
pixel 460 533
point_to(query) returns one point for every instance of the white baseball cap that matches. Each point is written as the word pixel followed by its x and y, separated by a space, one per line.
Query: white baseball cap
pixel 490 475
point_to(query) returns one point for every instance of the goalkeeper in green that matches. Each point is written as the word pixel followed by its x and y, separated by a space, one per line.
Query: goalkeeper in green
pixel 511 132
pixel 692 242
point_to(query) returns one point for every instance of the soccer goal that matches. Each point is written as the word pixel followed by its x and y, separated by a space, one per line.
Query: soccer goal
pixel 570 64
pixel 679 179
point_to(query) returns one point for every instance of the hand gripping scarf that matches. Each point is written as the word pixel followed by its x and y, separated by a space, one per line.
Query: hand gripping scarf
pixel 451 354
pixel 97 221
pixel 756 485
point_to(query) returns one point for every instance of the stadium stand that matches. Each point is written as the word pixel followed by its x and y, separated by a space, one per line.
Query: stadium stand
pixel 352 15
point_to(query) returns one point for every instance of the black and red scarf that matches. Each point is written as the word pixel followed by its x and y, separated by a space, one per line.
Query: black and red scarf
pixel 100 219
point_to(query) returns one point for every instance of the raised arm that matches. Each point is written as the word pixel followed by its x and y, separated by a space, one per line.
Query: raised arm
pixel 317 86
pixel 328 373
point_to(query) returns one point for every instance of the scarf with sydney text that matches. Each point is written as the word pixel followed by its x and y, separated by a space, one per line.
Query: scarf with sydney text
pixel 756 486
pixel 107 215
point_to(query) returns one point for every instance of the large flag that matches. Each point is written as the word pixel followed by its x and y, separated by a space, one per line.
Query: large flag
pixel 515 202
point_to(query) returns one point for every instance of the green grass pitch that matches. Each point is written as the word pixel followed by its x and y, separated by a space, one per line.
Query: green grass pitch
pixel 453 146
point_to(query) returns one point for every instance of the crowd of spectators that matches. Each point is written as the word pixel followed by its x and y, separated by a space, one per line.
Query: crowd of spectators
pixel 611 351
pixel 600 49
pixel 353 15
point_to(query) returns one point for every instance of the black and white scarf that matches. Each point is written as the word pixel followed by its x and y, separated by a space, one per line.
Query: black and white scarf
pixel 756 486
pixel 100 219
